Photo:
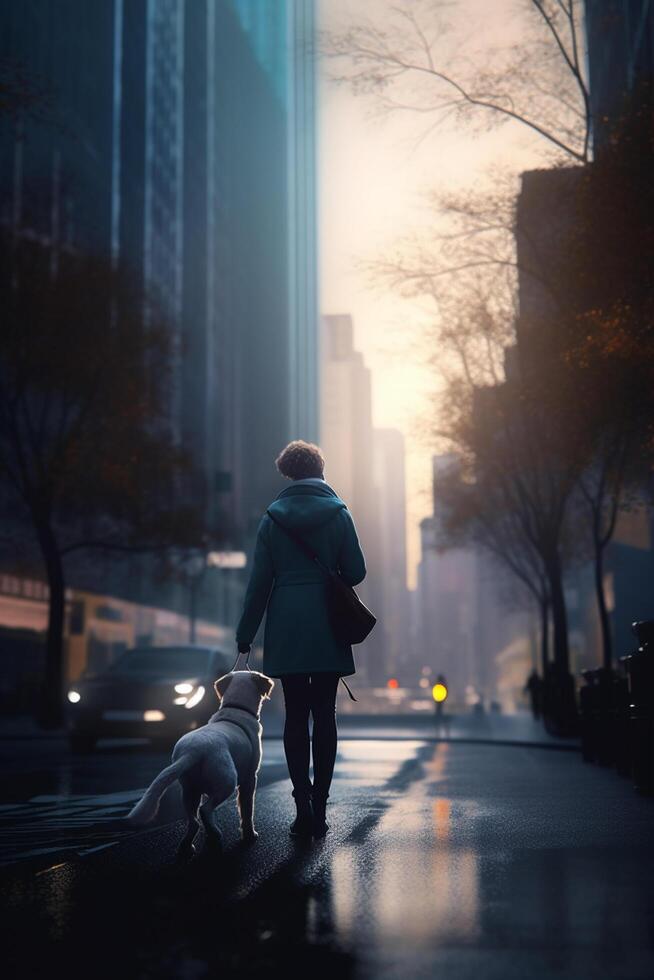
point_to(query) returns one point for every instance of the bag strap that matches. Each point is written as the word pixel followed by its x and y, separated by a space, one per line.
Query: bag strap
pixel 300 542
pixel 310 553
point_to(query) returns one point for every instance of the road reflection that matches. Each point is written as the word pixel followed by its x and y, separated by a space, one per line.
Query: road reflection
pixel 463 861
pixel 410 883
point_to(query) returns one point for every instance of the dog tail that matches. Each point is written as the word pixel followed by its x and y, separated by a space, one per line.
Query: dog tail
pixel 147 807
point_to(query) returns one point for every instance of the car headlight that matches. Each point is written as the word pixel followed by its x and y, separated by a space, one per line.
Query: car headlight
pixel 195 698
pixel 74 696
pixel 184 688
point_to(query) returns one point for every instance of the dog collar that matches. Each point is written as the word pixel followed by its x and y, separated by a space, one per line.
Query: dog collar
pixel 237 719
pixel 240 707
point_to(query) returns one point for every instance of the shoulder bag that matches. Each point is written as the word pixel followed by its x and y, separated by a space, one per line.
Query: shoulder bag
pixel 350 619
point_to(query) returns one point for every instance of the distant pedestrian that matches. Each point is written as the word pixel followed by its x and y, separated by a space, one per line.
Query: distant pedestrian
pixel 534 687
pixel 299 643
pixel 440 696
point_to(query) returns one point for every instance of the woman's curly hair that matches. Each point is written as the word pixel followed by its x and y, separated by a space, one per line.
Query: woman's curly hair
pixel 300 460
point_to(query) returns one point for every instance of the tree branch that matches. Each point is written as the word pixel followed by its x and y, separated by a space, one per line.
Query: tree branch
pixel 483 103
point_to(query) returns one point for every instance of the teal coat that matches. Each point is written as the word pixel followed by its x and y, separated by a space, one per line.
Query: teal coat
pixel 284 581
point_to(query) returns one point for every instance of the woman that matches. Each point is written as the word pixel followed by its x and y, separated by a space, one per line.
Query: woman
pixel 299 646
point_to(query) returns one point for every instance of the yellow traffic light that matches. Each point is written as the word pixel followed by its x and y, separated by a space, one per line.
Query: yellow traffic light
pixel 439 693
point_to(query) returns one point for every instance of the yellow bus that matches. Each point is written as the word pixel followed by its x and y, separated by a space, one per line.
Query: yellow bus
pixel 98 628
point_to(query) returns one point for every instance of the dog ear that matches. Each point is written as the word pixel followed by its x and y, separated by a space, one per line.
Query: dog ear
pixel 222 684
pixel 263 684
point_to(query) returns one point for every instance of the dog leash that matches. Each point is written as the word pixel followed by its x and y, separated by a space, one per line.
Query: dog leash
pixel 247 662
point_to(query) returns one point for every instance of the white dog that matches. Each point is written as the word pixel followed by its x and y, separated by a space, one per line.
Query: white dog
pixel 213 761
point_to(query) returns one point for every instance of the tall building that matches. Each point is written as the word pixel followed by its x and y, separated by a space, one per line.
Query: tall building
pixel 620 57
pixel 238 333
pixel 282 35
pixel 347 440
pixel 469 626
pixel 181 142
pixel 447 614
pixel 57 164
pixel 304 353
pixel 346 400
pixel 426 620
pixel 346 411
pixel 453 600
pixel 390 486
pixel 544 225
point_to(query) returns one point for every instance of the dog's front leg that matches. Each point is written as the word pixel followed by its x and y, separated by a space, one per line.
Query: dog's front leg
pixel 246 791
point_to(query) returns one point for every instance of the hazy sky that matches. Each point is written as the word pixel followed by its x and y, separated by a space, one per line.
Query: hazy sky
pixel 373 174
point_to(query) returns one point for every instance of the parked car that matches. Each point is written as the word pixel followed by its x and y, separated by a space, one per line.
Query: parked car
pixel 149 692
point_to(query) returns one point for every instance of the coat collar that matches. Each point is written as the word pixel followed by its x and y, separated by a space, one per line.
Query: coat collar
pixel 313 488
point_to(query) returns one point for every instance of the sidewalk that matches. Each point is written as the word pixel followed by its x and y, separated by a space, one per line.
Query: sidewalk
pixel 517 729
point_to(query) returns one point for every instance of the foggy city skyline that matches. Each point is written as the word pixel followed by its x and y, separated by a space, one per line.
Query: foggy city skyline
pixel 225 153
pixel 375 171
pixel 326 489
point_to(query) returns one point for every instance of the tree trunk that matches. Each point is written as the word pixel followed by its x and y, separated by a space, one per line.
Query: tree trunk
pixel 51 707
pixel 561 706
pixel 605 623
pixel 559 615
pixel 544 635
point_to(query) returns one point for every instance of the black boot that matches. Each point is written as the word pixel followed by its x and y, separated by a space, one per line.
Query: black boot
pixel 302 826
pixel 320 825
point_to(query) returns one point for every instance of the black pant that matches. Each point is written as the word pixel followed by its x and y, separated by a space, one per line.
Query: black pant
pixel 313 694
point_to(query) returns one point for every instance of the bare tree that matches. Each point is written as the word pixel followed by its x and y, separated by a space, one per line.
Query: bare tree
pixel 597 285
pixel 408 59
pixel 530 463
pixel 87 456
pixel 467 275
pixel 594 326
pixel 475 511
pixel 536 81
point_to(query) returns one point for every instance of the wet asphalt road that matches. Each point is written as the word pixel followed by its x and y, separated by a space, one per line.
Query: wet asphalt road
pixel 444 859
pixel 55 806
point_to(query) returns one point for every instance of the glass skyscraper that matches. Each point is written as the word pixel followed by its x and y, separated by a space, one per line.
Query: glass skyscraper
pixel 184 147
pixel 282 35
